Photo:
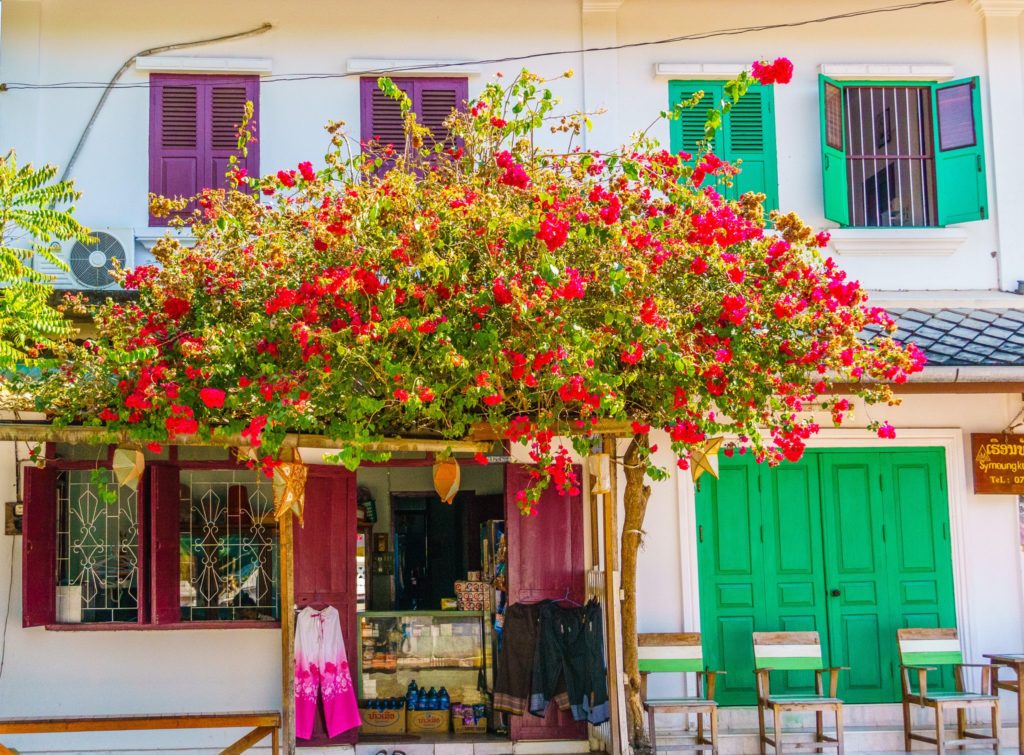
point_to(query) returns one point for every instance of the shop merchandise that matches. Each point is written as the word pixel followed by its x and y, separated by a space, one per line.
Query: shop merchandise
pixel 321 665
pixel 512 683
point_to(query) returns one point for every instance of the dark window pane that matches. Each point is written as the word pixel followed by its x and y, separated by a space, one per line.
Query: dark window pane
pixel 956 117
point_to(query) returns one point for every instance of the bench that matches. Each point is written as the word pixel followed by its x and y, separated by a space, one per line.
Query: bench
pixel 262 723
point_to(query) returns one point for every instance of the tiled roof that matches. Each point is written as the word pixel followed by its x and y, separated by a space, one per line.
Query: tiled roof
pixel 964 337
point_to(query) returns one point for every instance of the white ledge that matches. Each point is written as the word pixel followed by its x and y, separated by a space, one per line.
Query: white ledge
pixel 884 71
pixel 191 64
pixel 148 236
pixel 415 67
pixel 698 70
pixel 928 242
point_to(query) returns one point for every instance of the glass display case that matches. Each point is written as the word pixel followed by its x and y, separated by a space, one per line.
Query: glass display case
pixel 450 649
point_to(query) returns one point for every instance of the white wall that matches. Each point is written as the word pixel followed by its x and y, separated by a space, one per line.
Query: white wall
pixel 61 40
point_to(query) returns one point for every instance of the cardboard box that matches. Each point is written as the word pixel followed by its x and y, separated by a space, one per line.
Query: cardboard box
pixel 427 721
pixel 381 721
pixel 459 726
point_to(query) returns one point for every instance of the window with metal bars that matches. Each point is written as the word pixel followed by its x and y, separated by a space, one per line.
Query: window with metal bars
pixel 897 155
pixel 196 544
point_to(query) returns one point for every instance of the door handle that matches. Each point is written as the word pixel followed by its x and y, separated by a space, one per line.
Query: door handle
pixel 826 161
pixel 834 593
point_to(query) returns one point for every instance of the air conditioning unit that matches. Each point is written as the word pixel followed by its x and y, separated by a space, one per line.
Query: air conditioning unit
pixel 90 265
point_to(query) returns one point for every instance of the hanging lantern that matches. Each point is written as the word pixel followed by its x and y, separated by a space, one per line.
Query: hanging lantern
pixel 705 459
pixel 127 466
pixel 446 478
pixel 290 487
pixel 599 468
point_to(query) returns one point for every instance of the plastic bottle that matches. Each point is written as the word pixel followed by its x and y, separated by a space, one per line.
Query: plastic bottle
pixel 432 700
pixel 444 700
pixel 411 695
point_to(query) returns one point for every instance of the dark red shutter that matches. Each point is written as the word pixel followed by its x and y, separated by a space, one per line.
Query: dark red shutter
pixel 325 561
pixel 226 100
pixel 165 565
pixel 175 137
pixel 39 548
pixel 545 561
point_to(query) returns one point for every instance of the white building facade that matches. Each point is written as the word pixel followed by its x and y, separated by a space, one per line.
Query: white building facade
pixel 924 212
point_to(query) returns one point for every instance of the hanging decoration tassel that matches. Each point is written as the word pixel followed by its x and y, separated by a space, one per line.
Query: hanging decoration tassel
pixel 599 467
pixel 447 476
pixel 127 466
pixel 290 487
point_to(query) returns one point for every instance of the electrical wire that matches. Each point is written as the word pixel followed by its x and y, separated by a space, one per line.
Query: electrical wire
pixel 737 31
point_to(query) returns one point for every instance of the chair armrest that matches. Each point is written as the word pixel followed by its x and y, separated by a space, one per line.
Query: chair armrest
pixel 989 676
pixel 919 668
pixel 764 682
pixel 833 680
pixel 709 690
pixel 922 679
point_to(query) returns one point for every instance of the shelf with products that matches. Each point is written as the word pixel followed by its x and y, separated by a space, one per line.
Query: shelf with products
pixel 450 649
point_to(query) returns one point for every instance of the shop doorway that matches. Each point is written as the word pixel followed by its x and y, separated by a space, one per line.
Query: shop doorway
pixel 850 543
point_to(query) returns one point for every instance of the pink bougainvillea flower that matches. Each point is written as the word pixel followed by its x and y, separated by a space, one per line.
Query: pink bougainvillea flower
pixel 886 431
pixel 212 397
pixel 176 308
pixel 307 172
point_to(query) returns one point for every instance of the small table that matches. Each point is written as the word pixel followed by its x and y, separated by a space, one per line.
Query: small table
pixel 1013 661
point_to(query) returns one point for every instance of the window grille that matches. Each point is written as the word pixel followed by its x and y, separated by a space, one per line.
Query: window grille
pixel 890 156
pixel 97 550
pixel 229 547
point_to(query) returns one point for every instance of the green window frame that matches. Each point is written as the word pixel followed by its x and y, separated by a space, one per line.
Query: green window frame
pixel 942 157
pixel 747 135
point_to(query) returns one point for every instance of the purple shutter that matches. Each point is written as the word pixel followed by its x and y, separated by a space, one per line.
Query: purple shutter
pixel 39 548
pixel 223 113
pixel 175 137
pixel 434 101
pixel 165 565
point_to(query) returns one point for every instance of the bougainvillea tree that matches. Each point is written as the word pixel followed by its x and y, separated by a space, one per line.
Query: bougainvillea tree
pixel 475 278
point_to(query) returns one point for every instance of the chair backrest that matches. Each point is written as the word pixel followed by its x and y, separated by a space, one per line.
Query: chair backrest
pixel 670 651
pixel 929 647
pixel 787 651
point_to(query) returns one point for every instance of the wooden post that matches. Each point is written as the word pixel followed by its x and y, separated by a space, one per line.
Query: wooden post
pixel 611 569
pixel 287 571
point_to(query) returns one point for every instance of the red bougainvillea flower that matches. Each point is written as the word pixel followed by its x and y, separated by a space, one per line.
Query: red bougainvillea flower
pixel 778 72
pixel 286 177
pixel 886 431
pixel 176 308
pixel 212 397
pixel 108 415
pixel 307 172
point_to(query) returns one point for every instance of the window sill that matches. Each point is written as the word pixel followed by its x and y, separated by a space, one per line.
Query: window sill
pixel 186 625
pixel 923 242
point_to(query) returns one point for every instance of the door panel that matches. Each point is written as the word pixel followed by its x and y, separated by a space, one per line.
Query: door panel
pixel 545 561
pixel 794 573
pixel 325 562
pixel 859 621
pixel 731 577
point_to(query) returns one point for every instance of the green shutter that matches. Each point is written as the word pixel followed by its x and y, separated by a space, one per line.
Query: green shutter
pixel 750 137
pixel 959 151
pixel 833 151
pixel 687 132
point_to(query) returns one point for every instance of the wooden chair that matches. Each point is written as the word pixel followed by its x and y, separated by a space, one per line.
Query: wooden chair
pixel 795 651
pixel 681 653
pixel 924 650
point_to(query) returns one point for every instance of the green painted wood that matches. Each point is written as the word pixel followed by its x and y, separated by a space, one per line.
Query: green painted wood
pixel 794 570
pixel 860 633
pixel 835 184
pixel 871 524
pixel 731 576
pixel 747 135
pixel 654 665
pixel 920 562
pixel 959 152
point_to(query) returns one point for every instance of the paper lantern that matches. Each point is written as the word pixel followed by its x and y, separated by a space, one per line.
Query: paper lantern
pixel 599 468
pixel 446 478
pixel 127 466
pixel 704 458
pixel 289 485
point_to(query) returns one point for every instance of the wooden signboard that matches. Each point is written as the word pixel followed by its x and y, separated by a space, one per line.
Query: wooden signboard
pixel 998 463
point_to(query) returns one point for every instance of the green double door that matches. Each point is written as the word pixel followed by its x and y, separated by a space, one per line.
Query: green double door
pixel 852 544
